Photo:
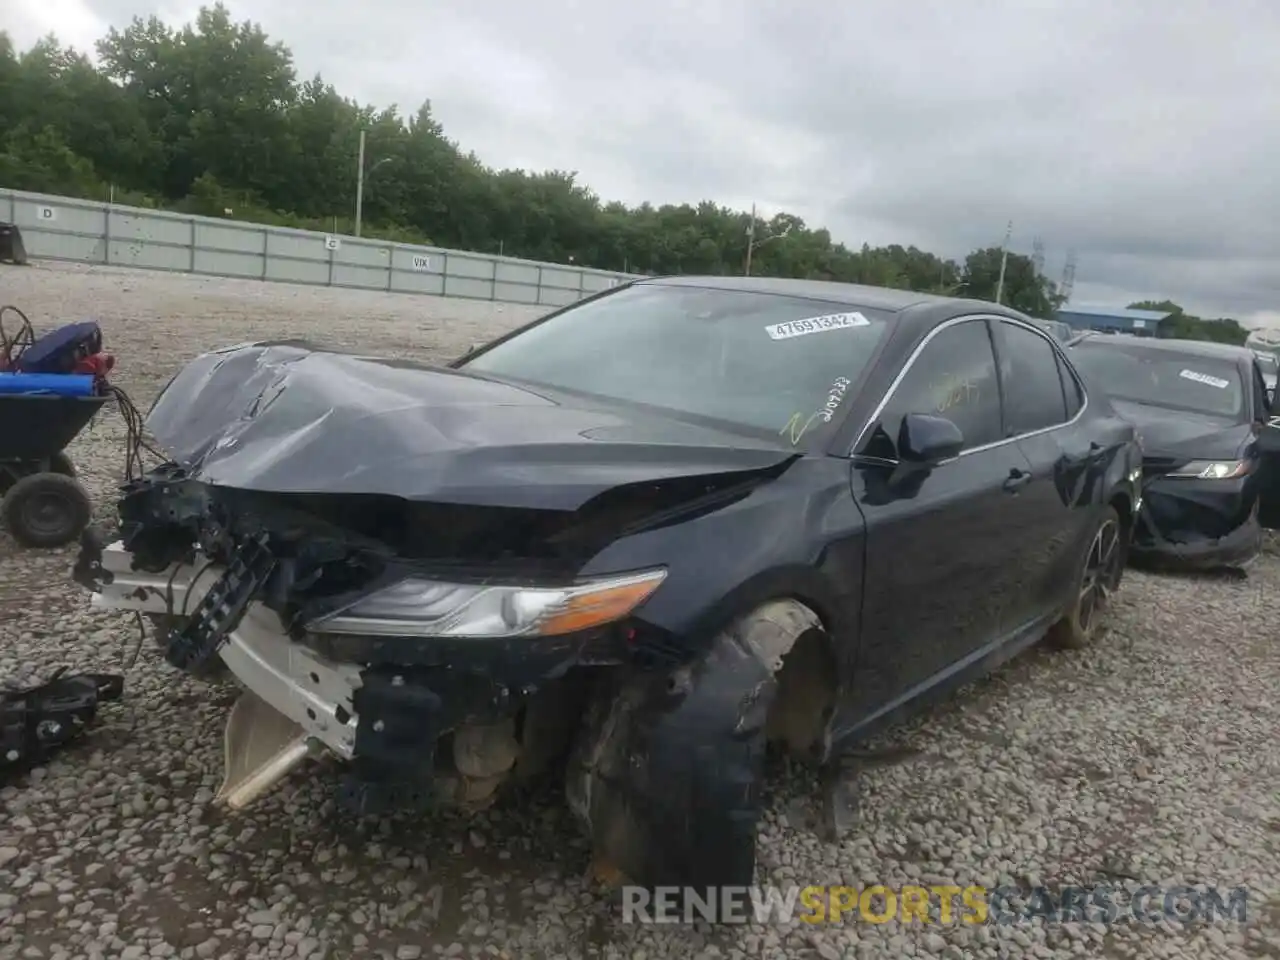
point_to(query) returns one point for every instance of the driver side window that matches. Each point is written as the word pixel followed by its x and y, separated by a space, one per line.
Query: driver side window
pixel 953 377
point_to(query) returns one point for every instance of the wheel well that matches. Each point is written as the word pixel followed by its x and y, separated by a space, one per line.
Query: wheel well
pixel 1124 508
pixel 806 695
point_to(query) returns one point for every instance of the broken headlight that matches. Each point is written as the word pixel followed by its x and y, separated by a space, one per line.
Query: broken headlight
pixel 418 607
pixel 1212 469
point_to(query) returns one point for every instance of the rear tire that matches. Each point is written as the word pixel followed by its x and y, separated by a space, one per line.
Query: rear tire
pixel 1100 572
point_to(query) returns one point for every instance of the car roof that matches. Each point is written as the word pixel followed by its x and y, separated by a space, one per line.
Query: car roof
pixel 1190 348
pixel 885 299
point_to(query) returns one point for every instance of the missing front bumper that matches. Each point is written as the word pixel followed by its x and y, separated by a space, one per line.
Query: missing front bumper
pixel 313 692
pixel 385 722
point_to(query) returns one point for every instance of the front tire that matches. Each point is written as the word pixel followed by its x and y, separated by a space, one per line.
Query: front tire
pixel 1100 573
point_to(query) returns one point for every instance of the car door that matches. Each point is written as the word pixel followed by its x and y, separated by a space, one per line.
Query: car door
pixel 939 548
pixel 1265 415
pixel 1043 402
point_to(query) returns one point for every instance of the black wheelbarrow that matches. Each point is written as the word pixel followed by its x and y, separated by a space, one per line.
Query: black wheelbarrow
pixel 44 504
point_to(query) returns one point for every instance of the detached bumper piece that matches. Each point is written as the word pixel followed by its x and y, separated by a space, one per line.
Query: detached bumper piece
pixel 1197 524
pixel 37 721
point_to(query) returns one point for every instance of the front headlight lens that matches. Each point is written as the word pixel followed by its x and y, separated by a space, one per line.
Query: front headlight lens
pixel 1212 469
pixel 419 607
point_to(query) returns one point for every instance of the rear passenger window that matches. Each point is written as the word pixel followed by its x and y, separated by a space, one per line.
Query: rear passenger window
pixel 953 377
pixel 1032 385
pixel 1070 389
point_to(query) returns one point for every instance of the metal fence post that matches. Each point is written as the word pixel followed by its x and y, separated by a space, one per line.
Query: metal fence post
pixel 106 234
pixel 191 267
pixel 329 282
pixel 444 274
pixel 391 265
pixel 266 250
pixel 539 291
pixel 493 282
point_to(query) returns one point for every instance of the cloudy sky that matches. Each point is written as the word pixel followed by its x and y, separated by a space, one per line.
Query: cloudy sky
pixel 1144 134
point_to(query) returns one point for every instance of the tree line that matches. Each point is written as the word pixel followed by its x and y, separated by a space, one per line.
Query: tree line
pixel 212 119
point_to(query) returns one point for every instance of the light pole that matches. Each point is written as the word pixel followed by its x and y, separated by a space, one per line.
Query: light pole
pixel 1004 261
pixel 752 242
pixel 360 175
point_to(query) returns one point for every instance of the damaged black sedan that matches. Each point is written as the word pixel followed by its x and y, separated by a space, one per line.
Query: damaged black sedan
pixel 1202 412
pixel 641 539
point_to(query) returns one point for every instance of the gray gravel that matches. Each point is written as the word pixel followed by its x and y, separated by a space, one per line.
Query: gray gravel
pixel 1153 756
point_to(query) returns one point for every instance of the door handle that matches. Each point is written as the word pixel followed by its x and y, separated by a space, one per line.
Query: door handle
pixel 1016 480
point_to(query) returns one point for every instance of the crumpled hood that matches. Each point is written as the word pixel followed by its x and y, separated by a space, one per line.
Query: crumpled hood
pixel 1173 433
pixel 286 417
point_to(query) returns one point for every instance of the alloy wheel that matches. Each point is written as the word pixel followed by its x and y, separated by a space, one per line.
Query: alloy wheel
pixel 1101 569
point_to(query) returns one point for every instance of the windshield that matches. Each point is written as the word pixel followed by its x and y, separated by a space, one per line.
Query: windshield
pixel 1163 378
pixel 765 362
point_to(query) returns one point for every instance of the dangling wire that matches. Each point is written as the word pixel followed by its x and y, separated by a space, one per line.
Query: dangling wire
pixel 135 432
pixel 12 349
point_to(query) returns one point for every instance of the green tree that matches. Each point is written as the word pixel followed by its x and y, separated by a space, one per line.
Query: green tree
pixel 1185 326
pixel 1025 288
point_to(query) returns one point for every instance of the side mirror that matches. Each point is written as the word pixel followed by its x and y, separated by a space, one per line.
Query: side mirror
pixel 926 440
pixel 1271 398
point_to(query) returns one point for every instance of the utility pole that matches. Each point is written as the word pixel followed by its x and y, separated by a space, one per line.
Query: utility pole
pixel 751 238
pixel 1004 261
pixel 360 183
pixel 1068 277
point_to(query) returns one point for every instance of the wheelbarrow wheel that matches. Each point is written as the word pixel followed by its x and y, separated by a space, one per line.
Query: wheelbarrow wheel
pixel 61 463
pixel 46 510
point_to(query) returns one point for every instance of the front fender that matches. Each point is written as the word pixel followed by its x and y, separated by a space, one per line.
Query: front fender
pixel 666 773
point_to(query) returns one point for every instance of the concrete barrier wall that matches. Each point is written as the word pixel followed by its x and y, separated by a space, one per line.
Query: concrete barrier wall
pixel 86 231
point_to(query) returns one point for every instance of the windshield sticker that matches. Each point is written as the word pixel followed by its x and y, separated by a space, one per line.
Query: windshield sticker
pixel 834 396
pixel 797 427
pixel 1205 378
pixel 800 328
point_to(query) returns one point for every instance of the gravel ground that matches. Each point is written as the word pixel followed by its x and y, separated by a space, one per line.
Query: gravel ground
pixel 1152 757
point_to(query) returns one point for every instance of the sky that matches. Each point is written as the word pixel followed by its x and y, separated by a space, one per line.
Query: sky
pixel 1143 134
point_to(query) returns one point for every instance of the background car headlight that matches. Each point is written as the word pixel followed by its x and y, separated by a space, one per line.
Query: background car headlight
pixel 419 607
pixel 1212 469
